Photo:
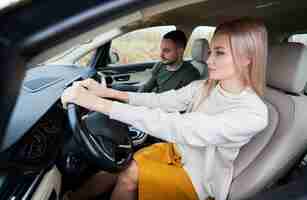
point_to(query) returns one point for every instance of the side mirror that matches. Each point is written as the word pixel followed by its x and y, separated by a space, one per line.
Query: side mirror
pixel 114 57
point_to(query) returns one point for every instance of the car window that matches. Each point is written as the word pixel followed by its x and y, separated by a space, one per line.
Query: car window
pixel 138 46
pixel 79 54
pixel 301 38
pixel 198 32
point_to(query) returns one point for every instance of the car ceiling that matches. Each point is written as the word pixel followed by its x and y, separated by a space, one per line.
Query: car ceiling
pixel 279 15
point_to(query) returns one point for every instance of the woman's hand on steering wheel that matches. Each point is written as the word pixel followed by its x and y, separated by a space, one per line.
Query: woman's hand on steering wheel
pixel 106 141
pixel 75 94
pixel 94 87
pixel 79 95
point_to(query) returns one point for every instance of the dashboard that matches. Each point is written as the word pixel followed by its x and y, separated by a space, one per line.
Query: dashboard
pixel 40 145
pixel 37 133
pixel 37 127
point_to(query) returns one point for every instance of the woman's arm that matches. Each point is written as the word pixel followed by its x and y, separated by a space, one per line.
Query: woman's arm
pixel 198 129
pixel 229 128
pixel 88 94
pixel 173 100
pixel 99 90
pixel 170 101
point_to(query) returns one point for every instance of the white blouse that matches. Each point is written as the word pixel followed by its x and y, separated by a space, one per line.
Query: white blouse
pixel 208 138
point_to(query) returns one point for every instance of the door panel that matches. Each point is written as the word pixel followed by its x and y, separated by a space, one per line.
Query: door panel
pixel 132 55
pixel 128 74
pixel 49 187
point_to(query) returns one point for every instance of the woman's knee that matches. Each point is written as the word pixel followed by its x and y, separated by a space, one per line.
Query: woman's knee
pixel 129 177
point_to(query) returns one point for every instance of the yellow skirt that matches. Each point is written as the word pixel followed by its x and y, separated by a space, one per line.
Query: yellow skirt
pixel 161 175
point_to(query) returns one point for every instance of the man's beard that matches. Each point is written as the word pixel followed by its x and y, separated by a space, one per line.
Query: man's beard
pixel 169 62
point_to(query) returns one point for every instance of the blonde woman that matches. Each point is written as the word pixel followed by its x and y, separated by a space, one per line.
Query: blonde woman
pixel 222 114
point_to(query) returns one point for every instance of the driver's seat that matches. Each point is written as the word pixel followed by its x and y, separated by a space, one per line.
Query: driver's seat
pixel 272 153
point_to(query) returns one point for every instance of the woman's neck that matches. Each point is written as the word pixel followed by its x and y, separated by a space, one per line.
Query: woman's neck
pixel 233 86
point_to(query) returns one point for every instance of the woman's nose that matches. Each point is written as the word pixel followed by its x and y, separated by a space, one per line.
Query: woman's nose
pixel 209 59
pixel 205 58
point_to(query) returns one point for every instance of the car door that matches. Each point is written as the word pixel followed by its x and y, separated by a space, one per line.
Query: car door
pixel 132 57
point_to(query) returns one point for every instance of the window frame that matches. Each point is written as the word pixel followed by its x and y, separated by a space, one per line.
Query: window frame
pixel 156 43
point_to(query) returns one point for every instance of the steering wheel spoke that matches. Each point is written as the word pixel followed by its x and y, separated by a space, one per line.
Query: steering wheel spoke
pixel 121 146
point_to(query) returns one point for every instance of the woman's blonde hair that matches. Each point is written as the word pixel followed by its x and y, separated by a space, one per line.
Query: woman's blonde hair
pixel 247 37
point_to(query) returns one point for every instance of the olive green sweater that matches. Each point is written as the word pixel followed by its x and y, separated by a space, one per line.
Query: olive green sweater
pixel 163 80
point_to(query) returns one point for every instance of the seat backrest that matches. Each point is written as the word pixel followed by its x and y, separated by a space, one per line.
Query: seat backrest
pixel 200 49
pixel 272 153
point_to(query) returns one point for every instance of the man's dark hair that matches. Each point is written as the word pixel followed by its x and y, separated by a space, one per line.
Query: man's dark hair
pixel 178 37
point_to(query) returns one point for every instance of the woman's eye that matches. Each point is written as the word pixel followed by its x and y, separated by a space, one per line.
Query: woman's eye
pixel 218 53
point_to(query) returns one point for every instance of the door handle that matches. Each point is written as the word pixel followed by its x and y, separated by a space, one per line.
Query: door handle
pixel 122 78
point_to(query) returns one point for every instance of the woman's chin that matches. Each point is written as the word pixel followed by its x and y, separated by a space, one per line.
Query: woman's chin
pixel 213 77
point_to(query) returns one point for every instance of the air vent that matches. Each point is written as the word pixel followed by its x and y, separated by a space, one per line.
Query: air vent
pixel 38 84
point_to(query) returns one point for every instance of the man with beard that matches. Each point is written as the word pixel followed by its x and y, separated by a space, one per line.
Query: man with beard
pixel 172 72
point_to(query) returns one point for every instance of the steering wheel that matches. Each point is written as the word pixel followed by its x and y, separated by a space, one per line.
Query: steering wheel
pixel 106 141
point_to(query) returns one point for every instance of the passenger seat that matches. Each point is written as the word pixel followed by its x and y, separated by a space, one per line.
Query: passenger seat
pixel 200 49
pixel 271 154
